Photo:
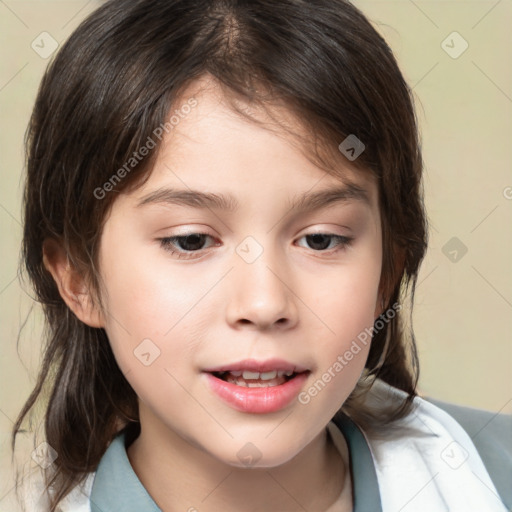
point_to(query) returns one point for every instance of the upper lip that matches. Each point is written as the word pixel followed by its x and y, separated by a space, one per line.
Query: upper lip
pixel 258 366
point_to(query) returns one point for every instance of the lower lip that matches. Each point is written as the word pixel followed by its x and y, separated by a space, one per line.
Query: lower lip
pixel 257 400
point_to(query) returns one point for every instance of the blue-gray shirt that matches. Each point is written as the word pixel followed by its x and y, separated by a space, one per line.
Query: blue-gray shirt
pixel 116 486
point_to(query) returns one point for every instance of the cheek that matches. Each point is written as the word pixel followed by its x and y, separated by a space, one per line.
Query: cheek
pixel 145 294
pixel 151 340
pixel 148 318
pixel 341 359
pixel 346 305
pixel 349 297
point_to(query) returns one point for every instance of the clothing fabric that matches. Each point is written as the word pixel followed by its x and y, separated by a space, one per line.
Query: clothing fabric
pixel 433 467
pixel 425 463
pixel 491 434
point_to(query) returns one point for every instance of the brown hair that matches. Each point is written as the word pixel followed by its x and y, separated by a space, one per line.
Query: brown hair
pixel 114 81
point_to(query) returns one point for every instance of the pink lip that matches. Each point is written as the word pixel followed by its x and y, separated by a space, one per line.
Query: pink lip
pixel 257 400
pixel 258 366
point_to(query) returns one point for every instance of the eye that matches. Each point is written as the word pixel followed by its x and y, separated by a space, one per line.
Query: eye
pixel 184 245
pixel 323 241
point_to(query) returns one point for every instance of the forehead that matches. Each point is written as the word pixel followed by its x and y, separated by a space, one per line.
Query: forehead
pixel 213 146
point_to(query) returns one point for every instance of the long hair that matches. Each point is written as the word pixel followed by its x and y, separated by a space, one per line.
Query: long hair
pixel 114 82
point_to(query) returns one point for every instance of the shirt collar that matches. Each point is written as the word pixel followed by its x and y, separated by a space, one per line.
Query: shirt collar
pixel 365 487
pixel 116 486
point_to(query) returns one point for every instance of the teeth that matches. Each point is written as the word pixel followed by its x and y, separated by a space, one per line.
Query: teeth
pixel 261 376
pixel 240 377
pixel 240 381
pixel 248 375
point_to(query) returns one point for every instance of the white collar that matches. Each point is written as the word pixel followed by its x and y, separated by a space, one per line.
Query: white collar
pixel 429 464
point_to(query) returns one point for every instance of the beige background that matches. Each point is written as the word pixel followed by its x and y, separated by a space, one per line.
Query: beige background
pixel 463 313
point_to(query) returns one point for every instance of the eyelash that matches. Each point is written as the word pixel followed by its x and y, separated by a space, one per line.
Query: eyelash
pixel 167 243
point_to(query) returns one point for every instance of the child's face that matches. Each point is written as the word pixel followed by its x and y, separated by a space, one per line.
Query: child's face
pixel 255 288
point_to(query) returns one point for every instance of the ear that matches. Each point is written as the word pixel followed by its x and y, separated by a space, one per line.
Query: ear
pixel 71 284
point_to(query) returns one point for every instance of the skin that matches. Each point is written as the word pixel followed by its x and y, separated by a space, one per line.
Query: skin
pixel 293 302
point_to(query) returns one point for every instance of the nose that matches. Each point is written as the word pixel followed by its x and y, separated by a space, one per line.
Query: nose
pixel 261 296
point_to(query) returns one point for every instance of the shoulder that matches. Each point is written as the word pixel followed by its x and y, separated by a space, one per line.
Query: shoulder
pixel 428 453
pixel 482 426
pixel 491 433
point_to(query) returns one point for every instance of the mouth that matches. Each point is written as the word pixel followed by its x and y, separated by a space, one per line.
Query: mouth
pixel 259 392
pixel 251 379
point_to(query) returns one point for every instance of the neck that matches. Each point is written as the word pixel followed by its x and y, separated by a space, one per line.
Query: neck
pixel 181 476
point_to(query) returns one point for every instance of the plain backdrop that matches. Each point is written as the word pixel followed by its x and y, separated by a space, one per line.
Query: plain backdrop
pixel 456 56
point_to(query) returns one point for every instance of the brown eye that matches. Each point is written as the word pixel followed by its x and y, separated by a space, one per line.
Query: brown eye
pixel 323 241
pixel 185 245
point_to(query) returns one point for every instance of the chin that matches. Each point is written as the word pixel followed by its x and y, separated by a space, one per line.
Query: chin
pixel 250 456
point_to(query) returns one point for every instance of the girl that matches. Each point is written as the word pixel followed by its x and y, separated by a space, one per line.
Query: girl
pixel 223 217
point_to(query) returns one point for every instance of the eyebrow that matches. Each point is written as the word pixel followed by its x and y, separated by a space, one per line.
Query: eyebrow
pixel 308 201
